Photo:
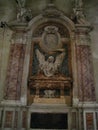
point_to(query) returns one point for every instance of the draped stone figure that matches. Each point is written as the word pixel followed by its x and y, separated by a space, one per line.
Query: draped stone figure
pixel 50 66
pixel 21 9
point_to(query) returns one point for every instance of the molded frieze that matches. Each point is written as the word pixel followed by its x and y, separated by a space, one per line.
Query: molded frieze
pixel 19 38
pixel 83 39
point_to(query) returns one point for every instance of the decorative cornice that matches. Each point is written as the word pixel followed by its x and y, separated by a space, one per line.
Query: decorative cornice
pixel 19 32
pixel 89 105
pixel 82 35
pixel 18 26
pixel 83 28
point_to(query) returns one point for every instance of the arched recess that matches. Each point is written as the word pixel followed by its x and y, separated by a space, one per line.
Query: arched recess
pixel 45 29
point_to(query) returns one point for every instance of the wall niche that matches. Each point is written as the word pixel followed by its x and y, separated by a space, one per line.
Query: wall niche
pixel 50 75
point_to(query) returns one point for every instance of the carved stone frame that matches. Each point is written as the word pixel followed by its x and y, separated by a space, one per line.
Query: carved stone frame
pixel 67 23
pixel 29 31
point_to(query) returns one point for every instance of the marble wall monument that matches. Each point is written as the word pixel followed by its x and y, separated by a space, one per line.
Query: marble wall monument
pixel 50 71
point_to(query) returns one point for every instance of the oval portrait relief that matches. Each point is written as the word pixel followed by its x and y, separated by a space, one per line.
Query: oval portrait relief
pixel 50 39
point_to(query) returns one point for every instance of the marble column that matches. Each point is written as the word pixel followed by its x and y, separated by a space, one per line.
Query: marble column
pixel 15 64
pixel 86 86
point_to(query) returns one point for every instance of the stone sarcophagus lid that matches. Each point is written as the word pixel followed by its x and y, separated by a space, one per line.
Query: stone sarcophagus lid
pixel 46 90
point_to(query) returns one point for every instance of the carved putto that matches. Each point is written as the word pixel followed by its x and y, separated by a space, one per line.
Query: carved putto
pixel 49 93
pixel 80 16
pixel 49 58
pixel 23 14
pixel 49 67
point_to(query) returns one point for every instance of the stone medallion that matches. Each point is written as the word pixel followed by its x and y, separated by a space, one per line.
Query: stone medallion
pixel 51 40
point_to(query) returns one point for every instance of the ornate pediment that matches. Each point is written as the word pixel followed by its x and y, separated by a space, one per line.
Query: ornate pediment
pixel 51 11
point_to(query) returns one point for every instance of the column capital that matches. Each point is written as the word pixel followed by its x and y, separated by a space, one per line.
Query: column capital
pixel 19 38
pixel 18 26
pixel 19 35
pixel 83 29
pixel 82 35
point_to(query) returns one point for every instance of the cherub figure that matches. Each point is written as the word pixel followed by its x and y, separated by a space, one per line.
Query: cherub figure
pixel 50 66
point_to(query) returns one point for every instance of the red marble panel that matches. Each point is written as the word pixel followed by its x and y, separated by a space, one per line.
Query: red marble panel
pixel 97 120
pixel 16 120
pixel 8 119
pixel 89 121
pixel 14 73
pixel 85 73
pixel 74 120
pixel 24 119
